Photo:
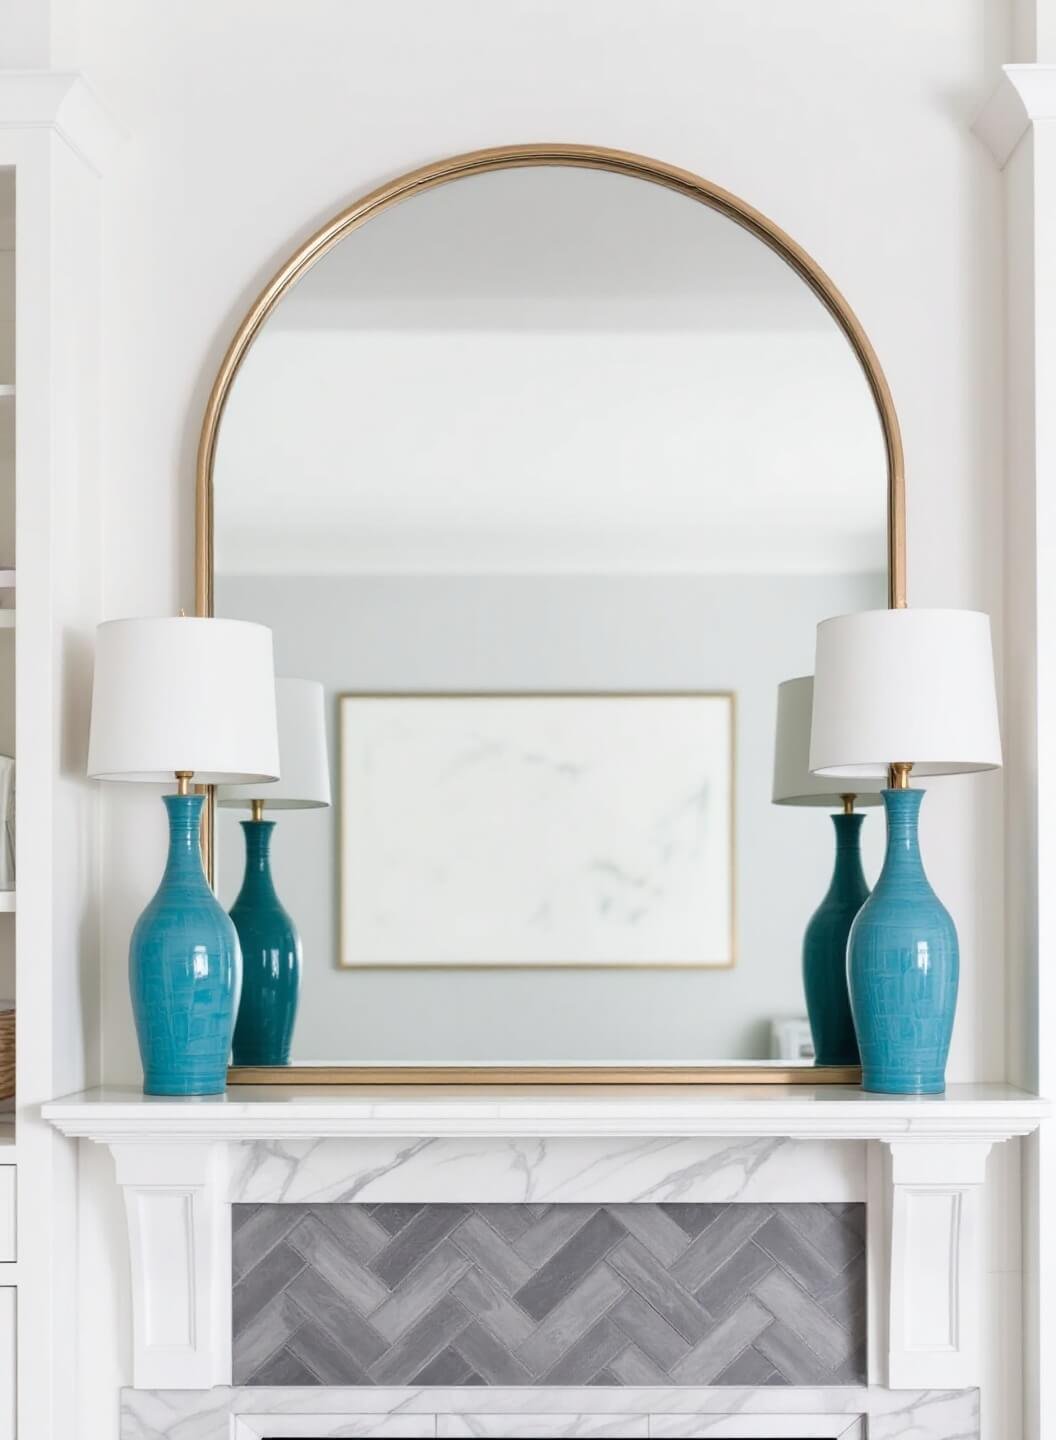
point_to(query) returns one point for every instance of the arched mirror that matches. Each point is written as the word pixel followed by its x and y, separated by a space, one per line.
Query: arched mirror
pixel 543 464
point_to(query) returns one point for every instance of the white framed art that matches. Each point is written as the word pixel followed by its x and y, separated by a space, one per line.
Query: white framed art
pixel 494 830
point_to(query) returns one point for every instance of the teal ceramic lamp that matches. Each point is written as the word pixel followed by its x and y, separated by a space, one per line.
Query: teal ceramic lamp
pixel 912 690
pixel 271 945
pixel 825 940
pixel 190 700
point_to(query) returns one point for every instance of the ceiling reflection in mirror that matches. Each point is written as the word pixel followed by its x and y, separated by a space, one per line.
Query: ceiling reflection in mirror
pixel 545 477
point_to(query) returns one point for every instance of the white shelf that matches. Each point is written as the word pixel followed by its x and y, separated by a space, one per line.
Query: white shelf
pixel 7 902
pixel 7 391
pixel 303 1112
pixel 7 619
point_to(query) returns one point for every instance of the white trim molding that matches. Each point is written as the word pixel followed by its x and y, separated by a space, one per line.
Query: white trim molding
pixel 62 102
pixel 676 1414
pixel 182 1164
pixel 971 1113
pixel 1024 94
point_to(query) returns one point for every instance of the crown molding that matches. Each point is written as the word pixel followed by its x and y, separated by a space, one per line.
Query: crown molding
pixel 62 102
pixel 1024 94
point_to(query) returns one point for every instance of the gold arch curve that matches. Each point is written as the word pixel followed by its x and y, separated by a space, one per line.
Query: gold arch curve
pixel 512 157
pixel 404 187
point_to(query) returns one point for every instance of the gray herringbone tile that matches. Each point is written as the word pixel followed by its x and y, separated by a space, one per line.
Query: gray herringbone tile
pixel 427 1284
pixel 813 1324
pixel 548 1294
pixel 734 1278
pixel 651 1333
pixel 256 1229
pixel 631 1367
pixel 318 1301
pixel 285 1369
pixel 693 1218
pixel 447 1368
pixel 656 1230
pixel 487 1249
pixel 750 1368
pixel 422 1343
pixel 313 1347
pixel 571 1319
pixel 264 1335
pixel 660 1288
pixel 318 1247
pixel 716 1245
pixel 492 1361
pixel 576 1258
pixel 500 1315
pixel 418 1236
pixel 602 1343
pixel 721 1346
pixel 260 1285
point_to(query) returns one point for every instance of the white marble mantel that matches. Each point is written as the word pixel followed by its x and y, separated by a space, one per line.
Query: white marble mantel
pixel 920 1163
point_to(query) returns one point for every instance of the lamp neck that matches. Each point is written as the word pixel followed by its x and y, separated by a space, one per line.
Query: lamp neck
pixel 899 775
pixel 183 781
pixel 185 850
pixel 257 884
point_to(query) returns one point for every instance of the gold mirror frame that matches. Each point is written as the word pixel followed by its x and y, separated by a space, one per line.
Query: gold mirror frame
pixel 312 250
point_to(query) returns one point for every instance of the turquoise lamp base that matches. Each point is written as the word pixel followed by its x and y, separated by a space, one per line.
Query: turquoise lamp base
pixel 902 967
pixel 271 959
pixel 825 950
pixel 184 970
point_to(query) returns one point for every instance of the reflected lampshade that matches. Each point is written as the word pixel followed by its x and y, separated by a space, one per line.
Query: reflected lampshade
pixel 271 944
pixel 825 938
pixel 183 694
pixel 793 782
pixel 304 782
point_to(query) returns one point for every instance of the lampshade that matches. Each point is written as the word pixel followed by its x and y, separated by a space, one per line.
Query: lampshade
pixel 305 782
pixel 183 694
pixel 904 685
pixel 793 782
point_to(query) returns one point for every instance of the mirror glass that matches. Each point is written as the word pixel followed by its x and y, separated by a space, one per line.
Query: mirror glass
pixel 546 476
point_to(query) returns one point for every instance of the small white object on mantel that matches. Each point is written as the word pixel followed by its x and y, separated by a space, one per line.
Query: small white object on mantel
pixel 181 1163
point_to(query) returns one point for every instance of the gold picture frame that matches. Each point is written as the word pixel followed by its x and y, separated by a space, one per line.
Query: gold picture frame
pixel 307 254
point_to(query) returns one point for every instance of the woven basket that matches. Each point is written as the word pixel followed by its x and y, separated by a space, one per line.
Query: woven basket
pixel 7 1054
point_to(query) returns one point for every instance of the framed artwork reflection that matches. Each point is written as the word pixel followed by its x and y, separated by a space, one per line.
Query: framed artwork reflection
pixel 500 830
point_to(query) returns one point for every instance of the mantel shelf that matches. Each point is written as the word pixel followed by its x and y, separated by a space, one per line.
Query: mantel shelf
pixel 969 1112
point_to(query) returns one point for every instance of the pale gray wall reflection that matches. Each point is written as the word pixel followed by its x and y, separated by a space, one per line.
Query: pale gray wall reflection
pixel 578 633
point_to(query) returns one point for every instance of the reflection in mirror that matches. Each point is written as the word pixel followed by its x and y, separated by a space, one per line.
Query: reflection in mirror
pixel 546 477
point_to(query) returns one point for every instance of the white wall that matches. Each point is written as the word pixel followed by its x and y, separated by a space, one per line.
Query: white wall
pixel 248 123
pixel 740 633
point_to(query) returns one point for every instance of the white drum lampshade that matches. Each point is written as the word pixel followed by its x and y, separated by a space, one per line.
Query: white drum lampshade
pixel 904 686
pixel 793 782
pixel 305 780
pixel 183 694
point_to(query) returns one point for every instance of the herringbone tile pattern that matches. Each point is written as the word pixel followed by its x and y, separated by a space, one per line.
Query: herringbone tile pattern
pixel 549 1294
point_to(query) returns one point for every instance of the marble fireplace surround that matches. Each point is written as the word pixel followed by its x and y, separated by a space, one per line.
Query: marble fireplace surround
pixel 920 1165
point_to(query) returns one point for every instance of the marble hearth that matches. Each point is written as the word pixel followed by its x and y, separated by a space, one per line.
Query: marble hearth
pixel 918 1167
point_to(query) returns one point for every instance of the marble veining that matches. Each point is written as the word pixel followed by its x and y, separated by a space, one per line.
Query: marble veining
pixel 330 1412
pixel 658 1169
